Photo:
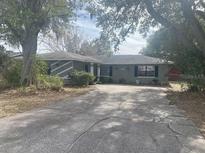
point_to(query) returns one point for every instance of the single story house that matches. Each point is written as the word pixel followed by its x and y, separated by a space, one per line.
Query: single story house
pixel 131 69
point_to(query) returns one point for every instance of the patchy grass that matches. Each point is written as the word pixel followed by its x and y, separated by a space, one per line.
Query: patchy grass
pixel 21 100
pixel 192 103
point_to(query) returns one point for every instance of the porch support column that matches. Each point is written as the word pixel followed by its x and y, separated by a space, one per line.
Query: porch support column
pixel 92 68
pixel 98 72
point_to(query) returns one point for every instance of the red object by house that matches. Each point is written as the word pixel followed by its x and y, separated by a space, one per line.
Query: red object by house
pixel 174 74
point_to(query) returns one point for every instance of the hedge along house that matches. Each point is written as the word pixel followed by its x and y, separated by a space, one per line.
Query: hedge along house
pixel 130 69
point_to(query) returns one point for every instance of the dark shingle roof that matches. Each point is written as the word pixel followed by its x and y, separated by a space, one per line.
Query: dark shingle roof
pixel 67 56
pixel 132 59
pixel 112 60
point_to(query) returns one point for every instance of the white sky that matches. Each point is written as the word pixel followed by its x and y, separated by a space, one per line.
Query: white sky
pixel 132 45
pixel 87 27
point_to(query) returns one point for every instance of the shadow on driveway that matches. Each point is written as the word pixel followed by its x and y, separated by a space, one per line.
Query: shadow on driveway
pixel 112 118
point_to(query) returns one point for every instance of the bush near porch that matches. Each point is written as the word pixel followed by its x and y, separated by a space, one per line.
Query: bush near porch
pixel 81 78
pixel 106 79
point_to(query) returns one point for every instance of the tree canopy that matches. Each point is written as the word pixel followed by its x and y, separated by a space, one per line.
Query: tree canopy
pixel 119 18
pixel 22 20
pixel 164 44
pixel 72 40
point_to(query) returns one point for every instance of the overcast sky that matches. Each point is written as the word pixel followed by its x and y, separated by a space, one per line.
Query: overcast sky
pixel 87 27
pixel 132 45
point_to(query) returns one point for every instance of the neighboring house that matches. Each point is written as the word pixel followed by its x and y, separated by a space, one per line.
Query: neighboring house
pixel 133 69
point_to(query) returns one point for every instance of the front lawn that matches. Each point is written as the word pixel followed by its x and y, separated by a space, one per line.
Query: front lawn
pixel 21 100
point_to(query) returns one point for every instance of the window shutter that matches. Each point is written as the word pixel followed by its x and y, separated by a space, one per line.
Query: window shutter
pixel 156 71
pixel 86 68
pixel 136 71
pixel 110 73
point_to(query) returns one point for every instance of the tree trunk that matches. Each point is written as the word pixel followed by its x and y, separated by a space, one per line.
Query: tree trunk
pixel 29 47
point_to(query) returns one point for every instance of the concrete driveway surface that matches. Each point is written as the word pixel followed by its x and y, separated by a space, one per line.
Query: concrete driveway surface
pixel 112 118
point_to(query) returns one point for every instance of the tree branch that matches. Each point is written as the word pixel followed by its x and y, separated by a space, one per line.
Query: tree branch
pixel 164 22
pixel 201 14
pixel 195 26
pixel 202 3
pixel 156 15
pixel 13 30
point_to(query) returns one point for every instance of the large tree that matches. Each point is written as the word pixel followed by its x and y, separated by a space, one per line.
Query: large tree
pixel 21 21
pixel 185 18
pixel 165 44
pixel 96 47
pixel 72 40
pixel 68 40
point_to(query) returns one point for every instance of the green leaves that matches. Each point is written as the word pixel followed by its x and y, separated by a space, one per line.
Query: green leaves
pixel 120 18
pixel 20 18
pixel 166 45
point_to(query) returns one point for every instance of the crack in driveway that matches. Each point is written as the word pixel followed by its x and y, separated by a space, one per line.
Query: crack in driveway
pixel 84 132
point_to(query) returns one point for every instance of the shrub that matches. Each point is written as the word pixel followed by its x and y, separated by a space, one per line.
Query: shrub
pixel 196 85
pixel 10 70
pixel 45 82
pixel 27 90
pixel 4 84
pixel 12 73
pixel 81 78
pixel 106 79
pixel 40 67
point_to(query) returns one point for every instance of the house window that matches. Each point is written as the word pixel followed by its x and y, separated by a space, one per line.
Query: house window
pixel 146 71
pixel 110 71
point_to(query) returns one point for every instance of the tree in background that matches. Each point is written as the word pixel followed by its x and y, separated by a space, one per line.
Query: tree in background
pixel 96 47
pixel 2 56
pixel 165 44
pixel 21 21
pixel 68 40
pixel 71 40
pixel 119 18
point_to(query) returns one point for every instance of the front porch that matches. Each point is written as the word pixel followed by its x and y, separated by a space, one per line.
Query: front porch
pixel 64 68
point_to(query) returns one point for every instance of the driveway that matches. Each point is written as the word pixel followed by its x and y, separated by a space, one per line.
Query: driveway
pixel 112 118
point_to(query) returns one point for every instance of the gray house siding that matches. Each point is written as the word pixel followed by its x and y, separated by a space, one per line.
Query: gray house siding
pixel 162 76
pixel 120 68
pixel 60 68
pixel 104 70
pixel 163 73
pixel 126 74
pixel 82 66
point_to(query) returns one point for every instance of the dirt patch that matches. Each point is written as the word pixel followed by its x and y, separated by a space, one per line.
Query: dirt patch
pixel 193 104
pixel 18 100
